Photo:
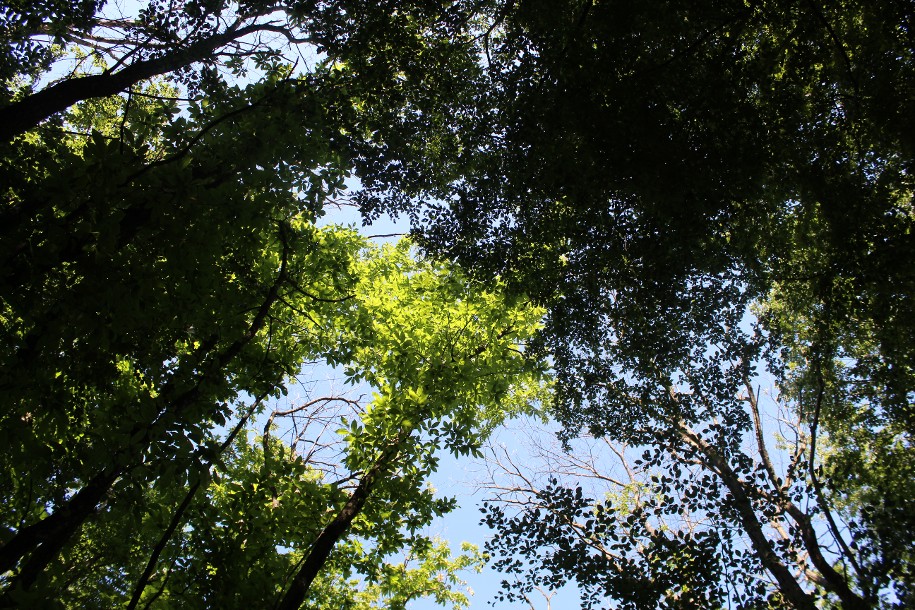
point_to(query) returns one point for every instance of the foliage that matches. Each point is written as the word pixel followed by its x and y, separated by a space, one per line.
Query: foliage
pixel 441 355
pixel 650 173
pixel 163 276
pixel 121 308
pixel 716 485
pixel 706 199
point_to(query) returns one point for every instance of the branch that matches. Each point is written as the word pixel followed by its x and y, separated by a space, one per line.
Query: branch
pixel 299 409
pixel 334 531
pixel 751 525
pixel 28 112
pixel 305 293
pixel 179 513
pixel 849 598
pixel 753 399
pixel 184 150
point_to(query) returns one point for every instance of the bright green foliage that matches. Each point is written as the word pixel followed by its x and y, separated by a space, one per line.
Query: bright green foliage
pixel 435 346
pixel 428 571
pixel 444 360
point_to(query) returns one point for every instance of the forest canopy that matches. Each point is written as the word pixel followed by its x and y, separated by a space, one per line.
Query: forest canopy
pixel 682 233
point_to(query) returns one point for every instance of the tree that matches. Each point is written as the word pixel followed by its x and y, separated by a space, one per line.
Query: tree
pixel 446 366
pixel 649 173
pixel 146 442
pixel 635 149
pixel 124 312
pixel 250 518
pixel 690 139
pixel 154 277
pixel 714 494
pixel 812 506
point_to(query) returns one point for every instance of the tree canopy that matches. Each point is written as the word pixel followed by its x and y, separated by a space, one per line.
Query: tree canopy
pixel 709 198
pixel 675 207
pixel 165 280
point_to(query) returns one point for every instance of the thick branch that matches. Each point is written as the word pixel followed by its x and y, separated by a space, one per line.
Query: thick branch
pixel 25 114
pixel 51 533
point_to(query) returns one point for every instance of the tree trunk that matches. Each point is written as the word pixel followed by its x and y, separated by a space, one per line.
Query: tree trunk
pixel 46 538
pixel 330 535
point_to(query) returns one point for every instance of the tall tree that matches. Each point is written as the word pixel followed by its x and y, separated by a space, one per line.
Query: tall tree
pixel 649 172
pixel 243 523
pixel 153 274
pixel 717 490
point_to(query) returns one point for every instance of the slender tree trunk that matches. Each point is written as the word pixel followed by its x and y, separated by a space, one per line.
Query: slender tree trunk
pixel 330 535
pixel 178 515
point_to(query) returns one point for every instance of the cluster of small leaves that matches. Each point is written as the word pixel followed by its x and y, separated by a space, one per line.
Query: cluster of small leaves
pixel 609 552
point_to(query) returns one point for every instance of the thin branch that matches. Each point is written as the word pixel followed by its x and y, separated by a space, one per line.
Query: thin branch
pixel 184 150
pixel 753 400
pixel 385 235
pixel 811 466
